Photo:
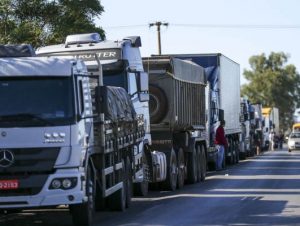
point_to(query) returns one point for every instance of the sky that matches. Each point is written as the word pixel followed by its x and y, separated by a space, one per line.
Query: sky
pixel 238 29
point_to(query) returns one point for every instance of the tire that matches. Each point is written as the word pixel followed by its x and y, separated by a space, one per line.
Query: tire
pixel 128 182
pixel 237 152
pixel 99 200
pixel 199 162
pixel 204 165
pixel 192 167
pixel 158 104
pixel 82 214
pixel 231 158
pixel 141 189
pixel 171 181
pixel 243 155
pixel 117 200
pixel 224 163
pixel 181 168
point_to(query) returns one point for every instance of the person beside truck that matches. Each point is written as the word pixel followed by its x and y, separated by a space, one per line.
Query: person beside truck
pixel 221 144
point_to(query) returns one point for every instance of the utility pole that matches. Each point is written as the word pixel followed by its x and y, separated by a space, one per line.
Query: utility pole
pixel 158 24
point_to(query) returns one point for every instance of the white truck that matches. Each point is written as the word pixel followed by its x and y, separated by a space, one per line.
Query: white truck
pixel 248 128
pixel 122 66
pixel 65 138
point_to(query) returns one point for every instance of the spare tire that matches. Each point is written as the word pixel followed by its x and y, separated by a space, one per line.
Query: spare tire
pixel 158 104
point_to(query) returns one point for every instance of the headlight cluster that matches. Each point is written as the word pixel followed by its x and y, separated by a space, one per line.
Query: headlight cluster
pixel 63 183
pixel 291 143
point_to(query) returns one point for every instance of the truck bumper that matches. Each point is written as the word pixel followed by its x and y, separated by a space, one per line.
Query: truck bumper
pixel 47 196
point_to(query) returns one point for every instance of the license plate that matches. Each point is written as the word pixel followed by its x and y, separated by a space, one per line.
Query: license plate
pixel 9 184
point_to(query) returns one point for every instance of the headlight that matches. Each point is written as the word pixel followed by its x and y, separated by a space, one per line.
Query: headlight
pixel 291 143
pixel 63 183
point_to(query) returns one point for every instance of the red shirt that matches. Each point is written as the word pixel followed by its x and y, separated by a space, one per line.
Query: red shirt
pixel 220 137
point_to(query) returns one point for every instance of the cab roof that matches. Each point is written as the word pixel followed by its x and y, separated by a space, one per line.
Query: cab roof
pixel 84 42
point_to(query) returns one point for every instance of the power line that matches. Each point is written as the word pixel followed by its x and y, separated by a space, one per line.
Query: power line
pixel 225 26
pixel 242 26
pixel 125 26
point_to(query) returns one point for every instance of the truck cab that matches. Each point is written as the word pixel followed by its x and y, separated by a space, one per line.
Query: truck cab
pixel 44 131
pixel 247 117
pixel 65 138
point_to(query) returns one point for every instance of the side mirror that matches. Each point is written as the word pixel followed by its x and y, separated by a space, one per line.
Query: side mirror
pixel 131 69
pixel 143 86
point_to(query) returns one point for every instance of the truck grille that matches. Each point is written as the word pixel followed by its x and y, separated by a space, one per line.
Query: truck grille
pixel 31 168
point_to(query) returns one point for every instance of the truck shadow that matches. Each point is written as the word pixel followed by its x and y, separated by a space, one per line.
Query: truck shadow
pixel 260 191
pixel 49 217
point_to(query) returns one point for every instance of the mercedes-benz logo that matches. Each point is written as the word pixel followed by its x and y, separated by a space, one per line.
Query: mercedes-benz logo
pixel 6 158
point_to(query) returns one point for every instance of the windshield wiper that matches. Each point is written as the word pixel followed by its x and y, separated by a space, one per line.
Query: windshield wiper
pixel 25 117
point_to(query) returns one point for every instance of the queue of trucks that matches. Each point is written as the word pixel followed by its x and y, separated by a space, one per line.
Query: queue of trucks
pixel 88 123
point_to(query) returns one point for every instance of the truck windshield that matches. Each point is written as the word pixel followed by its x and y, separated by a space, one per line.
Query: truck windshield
pixel 114 74
pixel 36 101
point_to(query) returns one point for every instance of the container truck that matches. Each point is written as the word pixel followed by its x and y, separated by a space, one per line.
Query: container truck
pixel 65 138
pixel 177 119
pixel 223 101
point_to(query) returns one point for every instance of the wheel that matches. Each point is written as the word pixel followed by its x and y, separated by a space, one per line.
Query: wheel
pixel 181 168
pixel 141 189
pixel 192 166
pixel 82 214
pixel 99 200
pixel 199 162
pixel 158 104
pixel 245 153
pixel 224 163
pixel 230 150
pixel 128 182
pixel 117 200
pixel 204 165
pixel 237 152
pixel 171 181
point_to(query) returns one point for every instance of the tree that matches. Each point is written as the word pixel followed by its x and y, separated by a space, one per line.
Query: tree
pixel 273 83
pixel 44 22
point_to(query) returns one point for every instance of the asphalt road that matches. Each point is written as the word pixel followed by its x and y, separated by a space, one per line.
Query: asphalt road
pixel 263 190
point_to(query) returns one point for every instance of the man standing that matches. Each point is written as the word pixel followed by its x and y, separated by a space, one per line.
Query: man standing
pixel 221 144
